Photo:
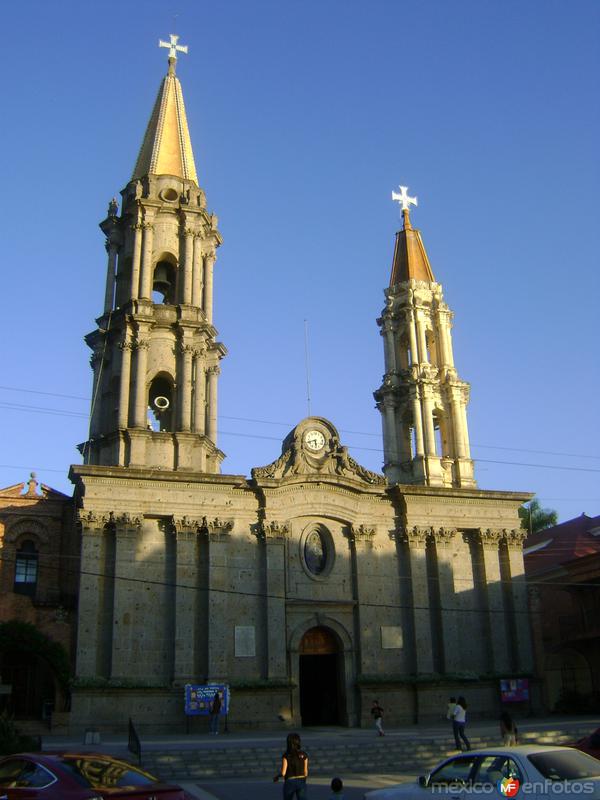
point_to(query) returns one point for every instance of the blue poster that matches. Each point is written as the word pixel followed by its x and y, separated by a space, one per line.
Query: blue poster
pixel 514 690
pixel 199 699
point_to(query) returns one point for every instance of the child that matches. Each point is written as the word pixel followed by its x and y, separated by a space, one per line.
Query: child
pixel 337 789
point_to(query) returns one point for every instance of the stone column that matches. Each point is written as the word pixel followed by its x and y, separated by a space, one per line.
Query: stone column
pixel 213 375
pixel 135 262
pixel 366 619
pixel 275 534
pixel 185 386
pixel 112 249
pixel 417 548
pixel 188 268
pixel 146 270
pixel 186 617
pixel 429 429
pixel 518 587
pixel 90 608
pixel 414 351
pixel 125 379
pixel 444 545
pixel 390 443
pixel 422 339
pixel 96 409
pixel 220 633
pixel 124 618
pixel 418 423
pixel 197 277
pixel 499 645
pixel 140 411
pixel 457 426
pixel 389 347
pixel 209 262
pixel 199 393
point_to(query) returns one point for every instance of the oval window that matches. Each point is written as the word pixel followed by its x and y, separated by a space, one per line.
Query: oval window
pixel 315 552
pixel 170 195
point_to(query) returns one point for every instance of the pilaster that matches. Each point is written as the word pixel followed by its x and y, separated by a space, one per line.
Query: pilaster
pixel 444 545
pixel 219 633
pixel 499 640
pixel 524 652
pixel 274 536
pixel 417 539
pixel 127 530
pixel 186 532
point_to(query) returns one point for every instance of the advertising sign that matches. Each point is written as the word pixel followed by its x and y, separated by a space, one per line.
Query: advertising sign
pixel 514 690
pixel 199 699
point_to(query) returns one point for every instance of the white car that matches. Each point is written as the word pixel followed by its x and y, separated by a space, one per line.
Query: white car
pixel 527 771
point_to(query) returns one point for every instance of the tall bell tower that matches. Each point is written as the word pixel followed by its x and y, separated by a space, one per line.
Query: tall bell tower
pixel 422 400
pixel 155 356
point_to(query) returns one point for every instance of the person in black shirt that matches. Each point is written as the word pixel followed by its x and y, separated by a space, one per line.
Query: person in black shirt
pixel 215 710
pixel 294 769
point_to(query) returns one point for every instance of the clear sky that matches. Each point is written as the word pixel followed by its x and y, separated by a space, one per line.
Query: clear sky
pixel 304 116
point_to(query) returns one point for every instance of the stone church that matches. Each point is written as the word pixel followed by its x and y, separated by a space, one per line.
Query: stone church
pixel 314 585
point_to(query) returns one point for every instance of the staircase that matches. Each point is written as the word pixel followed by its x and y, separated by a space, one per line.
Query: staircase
pixel 391 754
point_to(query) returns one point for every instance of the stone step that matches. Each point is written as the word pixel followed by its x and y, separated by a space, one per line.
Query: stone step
pixel 391 754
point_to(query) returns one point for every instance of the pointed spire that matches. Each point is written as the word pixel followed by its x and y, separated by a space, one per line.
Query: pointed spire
pixel 167 147
pixel 410 258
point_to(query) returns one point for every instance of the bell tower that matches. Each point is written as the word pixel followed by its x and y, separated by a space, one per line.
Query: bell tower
pixel 422 400
pixel 155 357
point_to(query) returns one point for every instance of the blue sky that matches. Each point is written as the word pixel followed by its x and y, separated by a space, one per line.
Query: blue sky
pixel 304 116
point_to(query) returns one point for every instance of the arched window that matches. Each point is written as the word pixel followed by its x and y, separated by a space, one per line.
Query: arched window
pixel 160 403
pixel 26 569
pixel 163 283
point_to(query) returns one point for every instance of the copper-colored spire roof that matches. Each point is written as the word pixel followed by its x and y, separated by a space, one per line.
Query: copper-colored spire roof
pixel 167 148
pixel 410 258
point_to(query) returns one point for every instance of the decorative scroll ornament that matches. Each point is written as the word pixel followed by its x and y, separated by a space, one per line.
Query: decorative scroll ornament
pixel 126 520
pixel 90 520
pixel 332 459
pixel 491 537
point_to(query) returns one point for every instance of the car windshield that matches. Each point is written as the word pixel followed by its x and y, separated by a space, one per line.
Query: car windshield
pixel 565 765
pixel 104 773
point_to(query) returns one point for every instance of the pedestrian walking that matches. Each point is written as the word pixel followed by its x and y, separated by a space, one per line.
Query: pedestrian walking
pixel 337 789
pixel 508 729
pixel 377 714
pixel 459 722
pixel 215 710
pixel 294 769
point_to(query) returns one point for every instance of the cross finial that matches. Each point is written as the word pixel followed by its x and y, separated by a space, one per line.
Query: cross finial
pixel 403 198
pixel 174 48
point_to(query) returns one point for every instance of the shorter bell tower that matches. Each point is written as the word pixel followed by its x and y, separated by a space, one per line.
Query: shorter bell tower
pixel 155 356
pixel 422 400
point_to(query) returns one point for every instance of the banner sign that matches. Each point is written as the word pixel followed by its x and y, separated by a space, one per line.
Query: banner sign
pixel 514 690
pixel 199 699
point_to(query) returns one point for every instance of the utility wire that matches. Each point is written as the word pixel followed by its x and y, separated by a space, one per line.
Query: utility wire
pixel 291 425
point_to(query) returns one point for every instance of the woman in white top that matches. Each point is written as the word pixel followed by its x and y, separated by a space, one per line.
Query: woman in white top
pixel 458 723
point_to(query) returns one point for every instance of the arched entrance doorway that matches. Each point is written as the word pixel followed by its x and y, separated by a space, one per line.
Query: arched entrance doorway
pixel 320 668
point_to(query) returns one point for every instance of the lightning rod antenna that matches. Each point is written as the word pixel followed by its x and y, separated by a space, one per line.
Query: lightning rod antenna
pixel 307 365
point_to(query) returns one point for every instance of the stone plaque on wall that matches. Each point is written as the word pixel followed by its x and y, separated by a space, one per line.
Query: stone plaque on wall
pixel 245 644
pixel 391 637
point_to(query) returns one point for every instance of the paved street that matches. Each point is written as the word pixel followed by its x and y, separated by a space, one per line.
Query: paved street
pixel 354 788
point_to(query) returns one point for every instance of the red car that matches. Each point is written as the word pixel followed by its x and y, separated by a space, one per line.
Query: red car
pixel 85 776
pixel 590 744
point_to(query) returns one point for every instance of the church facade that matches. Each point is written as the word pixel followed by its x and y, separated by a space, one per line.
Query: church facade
pixel 314 585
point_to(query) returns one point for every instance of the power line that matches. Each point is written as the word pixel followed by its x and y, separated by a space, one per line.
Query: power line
pixel 291 425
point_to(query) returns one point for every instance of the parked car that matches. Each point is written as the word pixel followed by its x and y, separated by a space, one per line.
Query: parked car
pixel 590 744
pixel 79 776
pixel 526 771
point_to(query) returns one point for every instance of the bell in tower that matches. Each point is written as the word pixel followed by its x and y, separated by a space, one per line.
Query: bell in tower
pixel 155 354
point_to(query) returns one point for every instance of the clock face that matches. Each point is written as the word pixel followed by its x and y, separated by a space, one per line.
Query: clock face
pixel 314 440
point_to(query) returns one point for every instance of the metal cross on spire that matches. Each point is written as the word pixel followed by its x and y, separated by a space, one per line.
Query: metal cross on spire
pixel 174 48
pixel 403 198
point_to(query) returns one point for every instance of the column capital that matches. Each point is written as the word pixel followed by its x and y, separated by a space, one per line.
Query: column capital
pixel 361 534
pixel 515 537
pixel 444 536
pixel 92 521
pixel 216 528
pixel 214 370
pixel 185 524
pixel 140 344
pixel 272 530
pixel 417 535
pixel 126 521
